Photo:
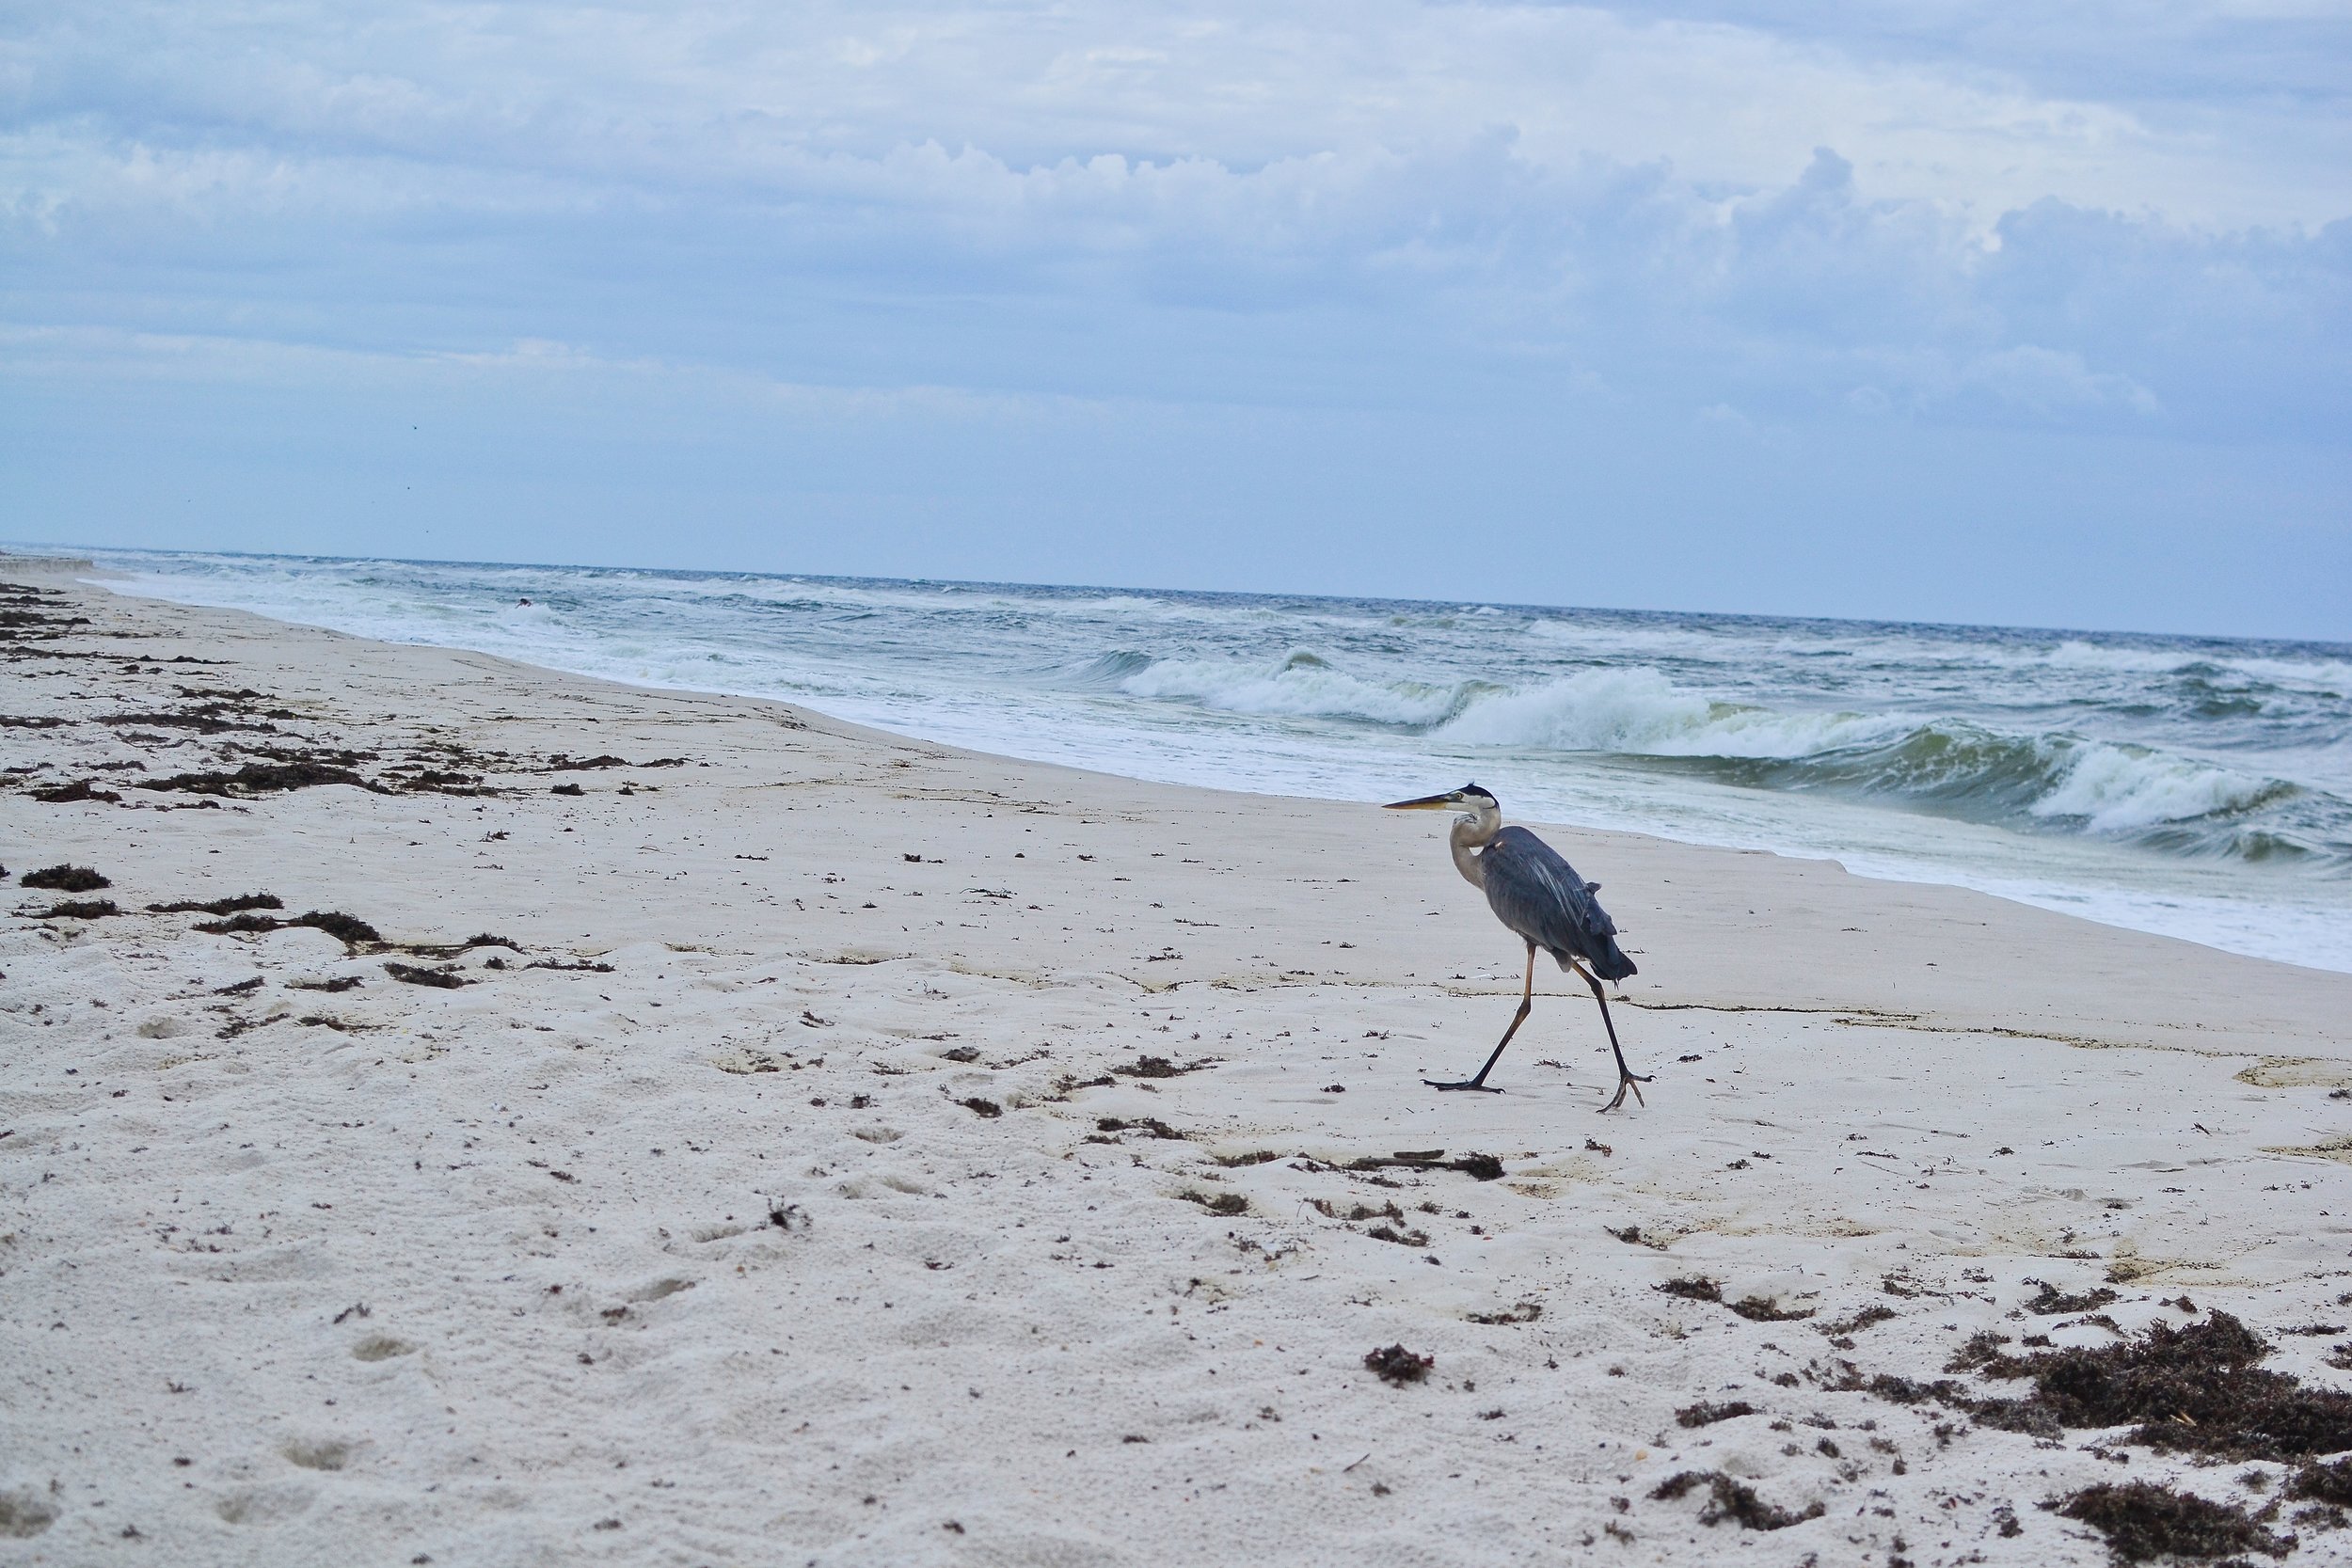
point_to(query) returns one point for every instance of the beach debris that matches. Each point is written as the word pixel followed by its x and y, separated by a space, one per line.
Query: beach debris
pixel 80 789
pixel 236 905
pixel 2049 1300
pixel 1397 1365
pixel 1756 1309
pixel 1705 1414
pixel 261 778
pixel 2142 1520
pixel 65 879
pixel 79 909
pixel 204 721
pixel 1694 1287
pixel 1227 1204
pixel 1525 1312
pixel 1862 1319
pixel 337 983
pixel 2326 1484
pixel 1732 1500
pixel 1401 1238
pixel 349 929
pixel 980 1107
pixel 450 949
pixel 1160 1067
pixel 562 764
pixel 1152 1125
pixel 2195 1388
pixel 565 789
pixel 414 974
pixel 1483 1167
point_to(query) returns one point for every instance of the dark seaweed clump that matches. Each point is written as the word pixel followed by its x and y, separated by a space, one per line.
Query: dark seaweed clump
pixel 2142 1520
pixel 1482 1167
pixel 65 879
pixel 1704 1414
pixel 1395 1364
pixel 79 909
pixel 260 778
pixel 413 974
pixel 80 789
pixel 2326 1483
pixel 1756 1309
pixel 1227 1204
pixel 1696 1287
pixel 236 905
pixel 1525 1312
pixel 1150 1067
pixel 349 929
pixel 2049 1300
pixel 1152 1125
pixel 2195 1388
pixel 1731 1500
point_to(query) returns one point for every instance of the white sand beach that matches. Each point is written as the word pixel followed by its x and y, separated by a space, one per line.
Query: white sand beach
pixel 852 1151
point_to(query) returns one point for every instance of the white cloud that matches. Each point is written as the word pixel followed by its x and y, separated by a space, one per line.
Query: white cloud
pixel 1957 221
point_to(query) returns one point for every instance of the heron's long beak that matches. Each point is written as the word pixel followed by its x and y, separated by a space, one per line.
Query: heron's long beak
pixel 1428 803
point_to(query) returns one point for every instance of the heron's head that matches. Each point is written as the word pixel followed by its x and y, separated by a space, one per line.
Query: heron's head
pixel 1469 798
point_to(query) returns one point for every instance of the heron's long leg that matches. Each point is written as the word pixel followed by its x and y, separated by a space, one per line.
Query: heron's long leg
pixel 1527 1004
pixel 1627 1078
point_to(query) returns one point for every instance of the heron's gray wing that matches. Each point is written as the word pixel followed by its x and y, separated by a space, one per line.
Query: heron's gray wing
pixel 1538 895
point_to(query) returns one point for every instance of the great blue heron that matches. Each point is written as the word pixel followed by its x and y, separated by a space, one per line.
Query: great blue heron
pixel 1540 896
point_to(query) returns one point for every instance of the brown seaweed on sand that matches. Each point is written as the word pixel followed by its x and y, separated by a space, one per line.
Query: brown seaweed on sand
pixel 349 929
pixel 1397 1365
pixel 1732 1500
pixel 415 975
pixel 2195 1390
pixel 261 778
pixel 2142 1520
pixel 65 879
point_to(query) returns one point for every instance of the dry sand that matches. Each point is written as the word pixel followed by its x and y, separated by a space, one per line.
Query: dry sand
pixel 787 1191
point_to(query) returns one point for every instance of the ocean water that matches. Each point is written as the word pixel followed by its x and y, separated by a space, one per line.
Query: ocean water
pixel 2196 787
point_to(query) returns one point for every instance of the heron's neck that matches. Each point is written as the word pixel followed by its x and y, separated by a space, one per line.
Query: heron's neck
pixel 1470 834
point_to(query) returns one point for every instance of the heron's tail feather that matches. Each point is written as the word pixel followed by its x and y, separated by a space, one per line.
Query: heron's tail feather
pixel 1612 964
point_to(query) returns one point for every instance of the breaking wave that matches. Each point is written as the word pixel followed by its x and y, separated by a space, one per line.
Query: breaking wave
pixel 1304 685
pixel 2041 782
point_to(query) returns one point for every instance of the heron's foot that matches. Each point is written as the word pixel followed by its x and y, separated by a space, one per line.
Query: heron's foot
pixel 1480 1084
pixel 1629 1081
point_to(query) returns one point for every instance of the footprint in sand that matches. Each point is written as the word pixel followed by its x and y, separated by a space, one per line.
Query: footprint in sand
pixel 381 1347
pixel 317 1453
pixel 24 1513
pixel 265 1505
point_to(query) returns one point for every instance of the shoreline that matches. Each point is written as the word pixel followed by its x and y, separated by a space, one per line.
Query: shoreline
pixel 792 1180
pixel 2211 905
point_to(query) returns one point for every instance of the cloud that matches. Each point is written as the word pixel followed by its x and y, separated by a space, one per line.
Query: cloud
pixel 1957 219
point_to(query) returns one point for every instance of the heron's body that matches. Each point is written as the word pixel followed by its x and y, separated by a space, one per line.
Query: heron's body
pixel 1537 893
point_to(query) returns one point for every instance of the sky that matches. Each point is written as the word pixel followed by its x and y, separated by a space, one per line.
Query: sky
pixel 1947 310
